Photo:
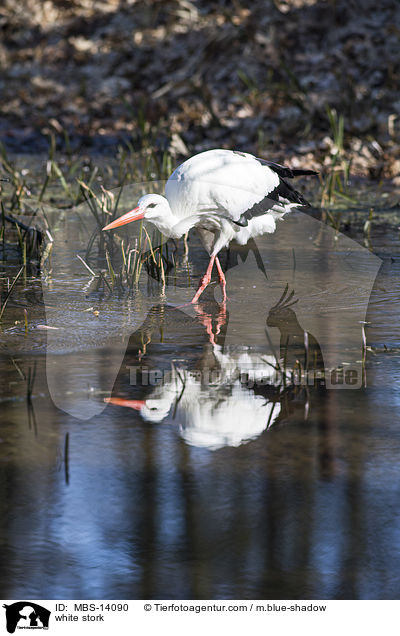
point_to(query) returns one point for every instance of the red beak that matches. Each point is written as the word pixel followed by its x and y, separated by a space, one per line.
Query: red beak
pixel 132 404
pixel 133 215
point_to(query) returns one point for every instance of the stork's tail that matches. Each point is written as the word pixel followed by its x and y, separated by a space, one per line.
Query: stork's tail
pixel 297 172
pixel 284 171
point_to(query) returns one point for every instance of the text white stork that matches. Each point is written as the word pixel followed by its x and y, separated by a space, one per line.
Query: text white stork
pixel 225 195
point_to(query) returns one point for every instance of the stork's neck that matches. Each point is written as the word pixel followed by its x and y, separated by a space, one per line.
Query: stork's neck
pixel 171 225
pixel 166 221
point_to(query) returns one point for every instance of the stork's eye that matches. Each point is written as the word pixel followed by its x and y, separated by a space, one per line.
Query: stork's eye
pixel 151 205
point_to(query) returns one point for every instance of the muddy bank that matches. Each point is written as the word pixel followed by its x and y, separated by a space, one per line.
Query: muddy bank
pixel 187 76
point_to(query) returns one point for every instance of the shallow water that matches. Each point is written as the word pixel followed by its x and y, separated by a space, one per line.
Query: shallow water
pixel 208 472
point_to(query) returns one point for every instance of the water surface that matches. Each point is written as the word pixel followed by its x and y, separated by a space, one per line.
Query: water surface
pixel 208 472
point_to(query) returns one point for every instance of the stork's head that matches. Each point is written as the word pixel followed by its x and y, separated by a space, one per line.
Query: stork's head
pixel 151 207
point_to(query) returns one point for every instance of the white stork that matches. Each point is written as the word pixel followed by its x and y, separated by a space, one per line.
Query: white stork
pixel 225 195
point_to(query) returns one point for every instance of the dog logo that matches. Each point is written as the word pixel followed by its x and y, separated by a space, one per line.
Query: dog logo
pixel 26 614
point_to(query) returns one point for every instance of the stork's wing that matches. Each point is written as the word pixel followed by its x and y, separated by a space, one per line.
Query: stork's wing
pixel 284 171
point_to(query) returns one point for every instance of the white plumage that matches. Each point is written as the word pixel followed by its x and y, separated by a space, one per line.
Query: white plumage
pixel 225 195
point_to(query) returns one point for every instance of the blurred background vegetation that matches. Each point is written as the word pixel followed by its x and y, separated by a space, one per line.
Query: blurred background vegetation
pixel 304 81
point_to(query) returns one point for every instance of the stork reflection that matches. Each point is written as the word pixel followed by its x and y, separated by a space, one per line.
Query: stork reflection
pixel 230 394
pixel 230 398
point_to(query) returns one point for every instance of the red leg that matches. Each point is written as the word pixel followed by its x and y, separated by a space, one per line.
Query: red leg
pixel 222 280
pixel 204 281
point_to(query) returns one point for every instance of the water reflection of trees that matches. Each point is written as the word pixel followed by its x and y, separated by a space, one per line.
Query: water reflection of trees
pixel 290 514
pixel 262 519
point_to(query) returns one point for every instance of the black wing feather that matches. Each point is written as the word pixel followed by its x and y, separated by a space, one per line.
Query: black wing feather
pixel 282 191
pixel 286 191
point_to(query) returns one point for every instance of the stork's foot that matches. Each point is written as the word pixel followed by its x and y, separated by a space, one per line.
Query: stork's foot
pixel 204 282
